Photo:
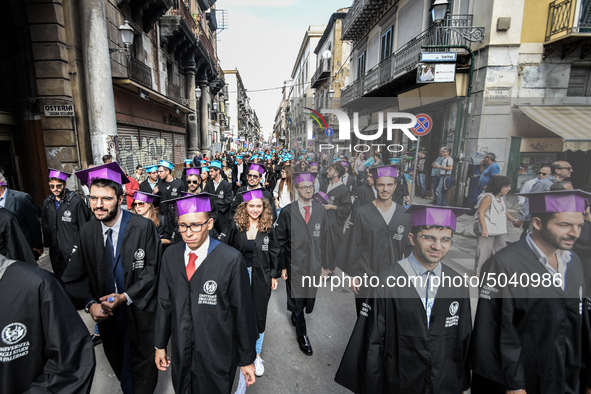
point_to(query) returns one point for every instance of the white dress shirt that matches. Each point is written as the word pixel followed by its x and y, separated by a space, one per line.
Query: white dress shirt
pixel 216 184
pixel 563 257
pixel 115 236
pixel 201 253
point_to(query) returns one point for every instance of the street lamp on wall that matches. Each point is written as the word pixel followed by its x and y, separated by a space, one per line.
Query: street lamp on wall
pixel 439 11
pixel 198 93
pixel 127 36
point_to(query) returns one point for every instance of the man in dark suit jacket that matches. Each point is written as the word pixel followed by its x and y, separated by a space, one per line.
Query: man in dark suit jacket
pixel 239 174
pixel 21 206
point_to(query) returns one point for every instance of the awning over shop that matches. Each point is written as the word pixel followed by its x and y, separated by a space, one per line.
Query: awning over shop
pixel 573 124
pixel 133 87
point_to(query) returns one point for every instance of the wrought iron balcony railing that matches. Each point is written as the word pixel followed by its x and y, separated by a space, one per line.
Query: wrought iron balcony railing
pixel 567 17
pixel 322 73
pixel 359 16
pixel 456 30
pixel 140 73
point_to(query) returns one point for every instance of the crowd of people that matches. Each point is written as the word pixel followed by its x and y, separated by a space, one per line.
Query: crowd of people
pixel 178 273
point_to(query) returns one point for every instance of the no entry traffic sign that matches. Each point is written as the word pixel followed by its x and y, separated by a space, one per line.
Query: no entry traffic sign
pixel 423 126
pixel 310 143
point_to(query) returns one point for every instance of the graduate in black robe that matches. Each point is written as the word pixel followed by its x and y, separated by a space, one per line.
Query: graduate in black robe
pixel 169 187
pixel 150 184
pixel 63 214
pixel 125 323
pixel 223 196
pixel 204 300
pixel 337 210
pixel 13 243
pixel 401 189
pixel 303 253
pixel 411 337
pixel 254 177
pixel 45 346
pixel 370 245
pixel 260 250
pixel 528 337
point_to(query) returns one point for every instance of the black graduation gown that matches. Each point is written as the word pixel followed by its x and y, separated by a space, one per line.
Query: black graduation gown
pixel 243 177
pixel 303 252
pixel 392 350
pixel 351 184
pixel 53 353
pixel 139 249
pixel 214 312
pixel 582 248
pixel 370 245
pixel 146 188
pixel 365 195
pixel 336 218
pixel 239 199
pixel 169 191
pixel 13 243
pixel 530 338
pixel 61 228
pixel 223 203
pixel 264 266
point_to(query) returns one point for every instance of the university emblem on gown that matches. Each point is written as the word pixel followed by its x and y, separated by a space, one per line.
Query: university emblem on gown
pixel 210 287
pixel 453 308
pixel 67 214
pixel 139 254
pixel 13 333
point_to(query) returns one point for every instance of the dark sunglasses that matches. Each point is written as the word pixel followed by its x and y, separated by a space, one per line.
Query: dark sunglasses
pixel 190 182
pixel 56 187
pixel 542 173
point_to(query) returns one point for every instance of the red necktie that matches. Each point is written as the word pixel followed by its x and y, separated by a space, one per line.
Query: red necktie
pixel 307 215
pixel 191 266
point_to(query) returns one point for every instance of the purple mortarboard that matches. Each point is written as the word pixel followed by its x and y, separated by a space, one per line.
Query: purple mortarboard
pixel 430 215
pixel 145 197
pixel 191 203
pixel 303 177
pixel 557 201
pixel 256 167
pixel 378 172
pixel 58 174
pixel 192 171
pixel 345 163
pixel 252 194
pixel 110 171
pixel 313 164
pixel 3 184
pixel 321 198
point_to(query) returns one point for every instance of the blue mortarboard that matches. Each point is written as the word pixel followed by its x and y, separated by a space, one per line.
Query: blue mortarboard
pixel 216 164
pixel 188 161
pixel 239 157
pixel 151 168
pixel 205 169
pixel 166 164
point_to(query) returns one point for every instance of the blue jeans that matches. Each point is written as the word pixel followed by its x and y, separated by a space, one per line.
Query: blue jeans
pixel 421 182
pixel 440 193
pixel 259 344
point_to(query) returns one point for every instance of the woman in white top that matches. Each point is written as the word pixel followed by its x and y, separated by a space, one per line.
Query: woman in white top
pixel 283 191
pixel 490 221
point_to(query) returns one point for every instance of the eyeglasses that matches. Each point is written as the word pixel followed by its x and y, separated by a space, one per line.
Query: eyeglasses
pixel 191 182
pixel 542 173
pixel 565 168
pixel 308 188
pixel 195 228
pixel 253 176
pixel 56 186
pixel 139 203
pixel 429 240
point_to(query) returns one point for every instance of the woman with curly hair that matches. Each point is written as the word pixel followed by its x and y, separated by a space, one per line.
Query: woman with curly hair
pixel 143 205
pixel 252 234
pixel 490 220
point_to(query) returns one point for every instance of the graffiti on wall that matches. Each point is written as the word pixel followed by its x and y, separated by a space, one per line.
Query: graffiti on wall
pixel 131 151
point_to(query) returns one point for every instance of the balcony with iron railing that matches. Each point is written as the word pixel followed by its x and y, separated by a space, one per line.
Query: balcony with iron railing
pixel 140 73
pixel 359 16
pixel 567 18
pixel 454 31
pixel 322 74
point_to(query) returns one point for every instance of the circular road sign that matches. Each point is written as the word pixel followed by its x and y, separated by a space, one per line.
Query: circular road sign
pixel 423 126
pixel 310 142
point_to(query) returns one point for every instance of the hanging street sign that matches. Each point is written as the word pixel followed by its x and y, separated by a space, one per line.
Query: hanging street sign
pixel 439 56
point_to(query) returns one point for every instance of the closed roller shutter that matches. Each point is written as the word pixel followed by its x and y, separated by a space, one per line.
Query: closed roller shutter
pixel 156 146
pixel 128 148
pixel 179 154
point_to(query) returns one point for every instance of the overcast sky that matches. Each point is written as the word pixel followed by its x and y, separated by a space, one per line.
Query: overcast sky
pixel 262 42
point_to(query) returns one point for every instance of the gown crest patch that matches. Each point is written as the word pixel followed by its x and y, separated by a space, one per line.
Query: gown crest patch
pixel 13 333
